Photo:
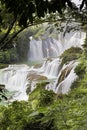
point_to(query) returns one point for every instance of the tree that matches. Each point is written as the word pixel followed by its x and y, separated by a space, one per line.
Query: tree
pixel 24 13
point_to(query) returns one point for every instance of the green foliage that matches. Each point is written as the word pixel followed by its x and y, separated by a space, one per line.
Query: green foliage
pixel 80 70
pixel 85 48
pixel 67 113
pixel 14 118
pixel 20 116
pixel 71 54
pixel 8 56
pixel 40 96
pixel 46 98
pixel 26 11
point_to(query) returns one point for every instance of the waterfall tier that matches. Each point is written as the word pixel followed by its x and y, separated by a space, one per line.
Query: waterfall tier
pixel 14 78
pixel 50 47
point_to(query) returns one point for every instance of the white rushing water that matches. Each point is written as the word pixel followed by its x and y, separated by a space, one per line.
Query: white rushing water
pixel 15 77
pixel 51 48
pixel 51 68
pixel 65 79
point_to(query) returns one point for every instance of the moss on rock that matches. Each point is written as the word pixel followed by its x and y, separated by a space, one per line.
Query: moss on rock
pixel 72 53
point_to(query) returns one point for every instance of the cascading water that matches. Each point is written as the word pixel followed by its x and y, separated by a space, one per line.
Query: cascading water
pixel 35 51
pixel 45 48
pixel 16 77
pixel 65 79
pixel 64 85
pixel 76 40
pixel 51 48
pixel 51 67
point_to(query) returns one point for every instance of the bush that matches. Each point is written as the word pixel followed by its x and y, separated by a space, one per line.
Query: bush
pixel 41 97
pixel 8 56
pixel 46 97
pixel 80 70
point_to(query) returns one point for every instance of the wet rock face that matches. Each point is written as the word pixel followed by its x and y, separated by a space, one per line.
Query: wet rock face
pixel 37 66
pixel 22 44
pixel 64 74
pixel 36 77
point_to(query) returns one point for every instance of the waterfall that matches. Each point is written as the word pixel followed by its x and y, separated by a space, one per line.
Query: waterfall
pixel 17 77
pixel 46 48
pixel 51 48
pixel 35 52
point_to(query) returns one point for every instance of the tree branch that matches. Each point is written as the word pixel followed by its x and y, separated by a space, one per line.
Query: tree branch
pixel 7 42
pixel 7 33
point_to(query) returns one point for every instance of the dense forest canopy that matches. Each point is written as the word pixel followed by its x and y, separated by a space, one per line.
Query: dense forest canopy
pixel 21 14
